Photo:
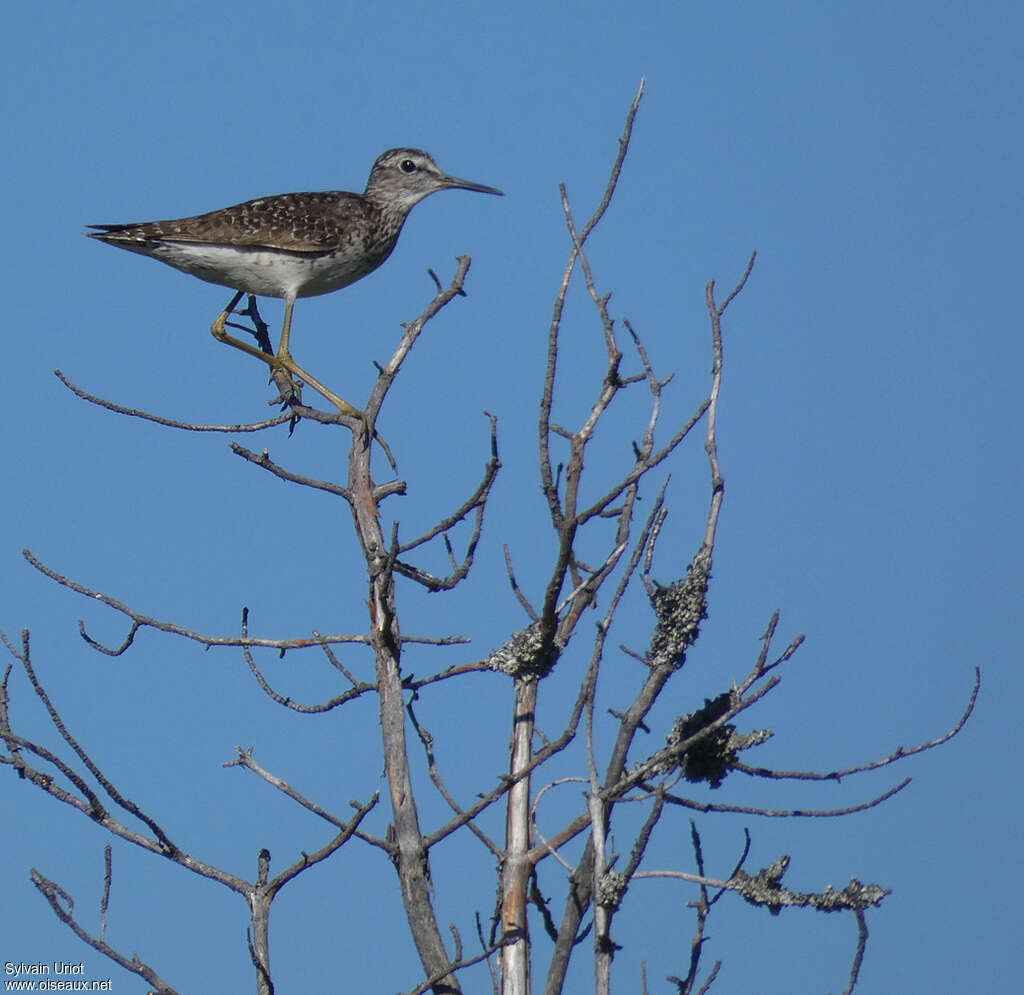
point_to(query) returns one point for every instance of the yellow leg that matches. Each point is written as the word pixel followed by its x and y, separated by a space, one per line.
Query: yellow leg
pixel 219 331
pixel 283 360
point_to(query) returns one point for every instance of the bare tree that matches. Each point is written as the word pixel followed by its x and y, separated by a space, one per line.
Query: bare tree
pixel 601 548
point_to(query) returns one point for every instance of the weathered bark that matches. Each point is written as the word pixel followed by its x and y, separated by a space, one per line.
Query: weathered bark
pixel 409 853
pixel 516 868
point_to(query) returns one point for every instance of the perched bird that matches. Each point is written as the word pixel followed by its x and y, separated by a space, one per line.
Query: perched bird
pixel 293 245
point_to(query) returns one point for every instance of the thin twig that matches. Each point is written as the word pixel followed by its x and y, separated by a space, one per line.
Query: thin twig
pixel 476 501
pixel 900 753
pixel 789 813
pixel 858 957
pixel 283 419
pixel 63 907
pixel 520 597
pixel 263 460
pixel 245 759
pixel 140 621
pixel 105 899
pixel 427 740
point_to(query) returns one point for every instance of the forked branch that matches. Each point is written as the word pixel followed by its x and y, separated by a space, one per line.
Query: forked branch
pixel 64 907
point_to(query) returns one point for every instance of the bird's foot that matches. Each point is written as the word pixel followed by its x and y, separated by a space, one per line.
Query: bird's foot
pixel 286 364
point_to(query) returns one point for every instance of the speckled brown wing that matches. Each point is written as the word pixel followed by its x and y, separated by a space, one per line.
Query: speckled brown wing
pixel 292 222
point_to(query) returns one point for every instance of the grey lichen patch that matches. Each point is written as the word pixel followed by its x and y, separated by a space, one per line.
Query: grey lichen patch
pixel 713 754
pixel 679 609
pixel 745 740
pixel 524 655
pixel 765 889
pixel 611 889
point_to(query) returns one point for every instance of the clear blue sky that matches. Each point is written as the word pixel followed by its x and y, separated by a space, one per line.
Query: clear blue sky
pixel 870 441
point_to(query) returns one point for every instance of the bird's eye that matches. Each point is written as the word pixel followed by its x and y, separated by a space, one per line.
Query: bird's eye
pixel 407 166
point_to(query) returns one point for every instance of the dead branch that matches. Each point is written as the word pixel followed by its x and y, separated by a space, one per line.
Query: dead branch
pixel 258 894
pixel 463 962
pixel 354 692
pixel 427 740
pixel 858 956
pixel 412 331
pixel 263 460
pixel 140 621
pixel 475 502
pixel 170 422
pixel 544 429
pixel 900 753
pixel 765 889
pixel 63 907
pixel 702 907
pixel 246 759
pixel 410 850
pixel 788 813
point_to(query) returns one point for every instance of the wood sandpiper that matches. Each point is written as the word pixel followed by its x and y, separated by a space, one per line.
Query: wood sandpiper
pixel 293 245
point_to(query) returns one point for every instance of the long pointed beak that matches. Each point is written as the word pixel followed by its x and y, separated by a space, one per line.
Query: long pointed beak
pixel 454 183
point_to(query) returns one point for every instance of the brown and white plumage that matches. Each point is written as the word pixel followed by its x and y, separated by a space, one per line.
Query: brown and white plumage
pixel 295 244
